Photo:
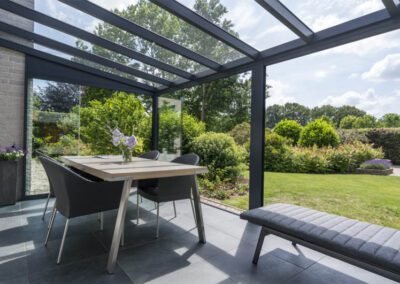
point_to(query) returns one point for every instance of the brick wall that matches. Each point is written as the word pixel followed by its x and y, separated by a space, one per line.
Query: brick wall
pixel 12 86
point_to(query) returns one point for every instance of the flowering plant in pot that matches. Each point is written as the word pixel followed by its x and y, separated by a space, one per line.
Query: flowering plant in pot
pixel 9 157
pixel 124 143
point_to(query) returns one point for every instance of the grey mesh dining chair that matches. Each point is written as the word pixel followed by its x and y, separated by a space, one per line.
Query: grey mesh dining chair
pixel 77 196
pixel 171 188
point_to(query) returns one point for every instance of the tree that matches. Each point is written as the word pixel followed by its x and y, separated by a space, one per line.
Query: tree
pixel 390 120
pixel 241 133
pixel 325 110
pixel 292 111
pixel 348 122
pixel 57 97
pixel 346 110
pixel 192 128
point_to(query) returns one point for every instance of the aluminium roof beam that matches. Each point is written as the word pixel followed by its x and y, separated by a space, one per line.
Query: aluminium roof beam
pixel 131 27
pixel 363 27
pixel 79 53
pixel 286 17
pixel 48 21
pixel 205 25
pixel 135 86
pixel 391 7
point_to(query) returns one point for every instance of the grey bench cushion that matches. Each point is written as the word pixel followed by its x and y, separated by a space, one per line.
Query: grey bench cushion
pixel 367 242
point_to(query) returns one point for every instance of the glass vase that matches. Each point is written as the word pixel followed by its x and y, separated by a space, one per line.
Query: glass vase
pixel 127 155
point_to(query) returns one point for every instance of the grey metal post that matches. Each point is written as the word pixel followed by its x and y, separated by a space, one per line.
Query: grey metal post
pixel 257 136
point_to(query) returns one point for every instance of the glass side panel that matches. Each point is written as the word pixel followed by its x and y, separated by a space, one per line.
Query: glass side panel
pixel 160 21
pixel 246 20
pixel 170 128
pixel 327 13
pixel 93 25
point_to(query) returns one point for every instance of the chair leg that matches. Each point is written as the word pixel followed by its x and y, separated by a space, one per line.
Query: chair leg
pixel 53 216
pixel 101 221
pixel 138 209
pixel 173 202
pixel 123 235
pixel 62 242
pixel 194 212
pixel 45 207
pixel 158 221
pixel 260 242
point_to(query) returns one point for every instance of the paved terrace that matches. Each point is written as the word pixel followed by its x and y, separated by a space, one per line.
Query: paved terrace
pixel 174 258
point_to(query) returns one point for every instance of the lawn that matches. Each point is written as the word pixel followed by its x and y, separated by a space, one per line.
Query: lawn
pixel 374 199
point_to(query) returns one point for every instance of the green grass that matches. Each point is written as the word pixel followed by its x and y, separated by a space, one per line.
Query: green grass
pixel 374 199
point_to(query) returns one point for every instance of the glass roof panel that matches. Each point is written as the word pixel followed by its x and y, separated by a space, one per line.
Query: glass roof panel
pixel 95 26
pixel 160 21
pixel 248 21
pixel 102 52
pixel 328 13
pixel 94 65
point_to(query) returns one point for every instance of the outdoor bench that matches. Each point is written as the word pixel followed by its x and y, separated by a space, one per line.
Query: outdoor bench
pixel 372 247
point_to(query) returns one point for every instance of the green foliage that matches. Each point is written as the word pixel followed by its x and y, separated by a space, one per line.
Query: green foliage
pixel 348 122
pixel 241 133
pixel 388 139
pixel 219 152
pixel 319 133
pixel 57 97
pixel 390 120
pixel 290 129
pixel 192 128
pixel 277 153
pixel 309 160
pixel 169 130
pixel 122 111
pixel 365 121
pixel 292 111
pixel 373 167
pixel 352 135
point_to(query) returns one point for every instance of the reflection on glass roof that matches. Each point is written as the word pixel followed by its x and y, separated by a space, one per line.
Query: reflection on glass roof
pixel 160 21
pixel 248 21
pixel 322 14
pixel 93 25
pixel 93 65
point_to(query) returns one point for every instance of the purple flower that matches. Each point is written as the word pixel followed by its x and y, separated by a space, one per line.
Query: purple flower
pixel 130 141
pixel 116 137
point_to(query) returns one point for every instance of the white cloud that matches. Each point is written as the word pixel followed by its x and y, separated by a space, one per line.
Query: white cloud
pixel 386 69
pixel 114 4
pixel 323 22
pixel 277 93
pixel 366 8
pixel 368 101
pixel 354 75
pixel 320 74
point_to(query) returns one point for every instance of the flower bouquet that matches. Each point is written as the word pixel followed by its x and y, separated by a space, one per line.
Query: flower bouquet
pixel 124 143
pixel 11 153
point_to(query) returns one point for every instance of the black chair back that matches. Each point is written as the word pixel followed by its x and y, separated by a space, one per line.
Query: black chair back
pixel 152 155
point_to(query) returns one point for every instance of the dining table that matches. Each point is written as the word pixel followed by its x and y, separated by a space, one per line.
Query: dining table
pixel 114 168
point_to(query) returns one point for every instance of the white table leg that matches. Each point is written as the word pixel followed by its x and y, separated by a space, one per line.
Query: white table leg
pixel 197 208
pixel 116 240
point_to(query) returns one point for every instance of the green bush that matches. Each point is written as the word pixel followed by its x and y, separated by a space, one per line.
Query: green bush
pixel 389 140
pixel 219 152
pixel 241 133
pixel 347 122
pixel 290 129
pixel 365 121
pixel 373 167
pixel 192 128
pixel 277 153
pixel 123 111
pixel 309 160
pixel 169 129
pixel 348 136
pixel 319 133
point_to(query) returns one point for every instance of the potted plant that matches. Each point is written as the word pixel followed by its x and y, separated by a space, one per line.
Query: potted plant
pixel 9 157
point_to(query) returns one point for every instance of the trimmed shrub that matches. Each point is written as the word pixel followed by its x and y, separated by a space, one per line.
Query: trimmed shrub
pixel 241 133
pixel 319 133
pixel 290 129
pixel 192 128
pixel 372 166
pixel 219 152
pixel 352 135
pixel 388 139
pixel 309 160
pixel 277 153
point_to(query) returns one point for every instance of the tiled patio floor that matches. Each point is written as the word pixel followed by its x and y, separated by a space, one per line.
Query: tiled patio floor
pixel 176 257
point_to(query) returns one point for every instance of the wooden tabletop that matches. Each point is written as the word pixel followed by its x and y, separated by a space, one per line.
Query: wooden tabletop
pixel 113 168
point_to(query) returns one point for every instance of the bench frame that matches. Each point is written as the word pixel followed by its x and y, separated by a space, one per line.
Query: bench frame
pixel 362 264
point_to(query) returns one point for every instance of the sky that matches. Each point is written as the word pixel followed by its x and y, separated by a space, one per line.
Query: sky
pixel 365 74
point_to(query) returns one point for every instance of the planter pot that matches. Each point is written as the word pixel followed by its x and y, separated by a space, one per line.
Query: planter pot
pixel 375 172
pixel 8 182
